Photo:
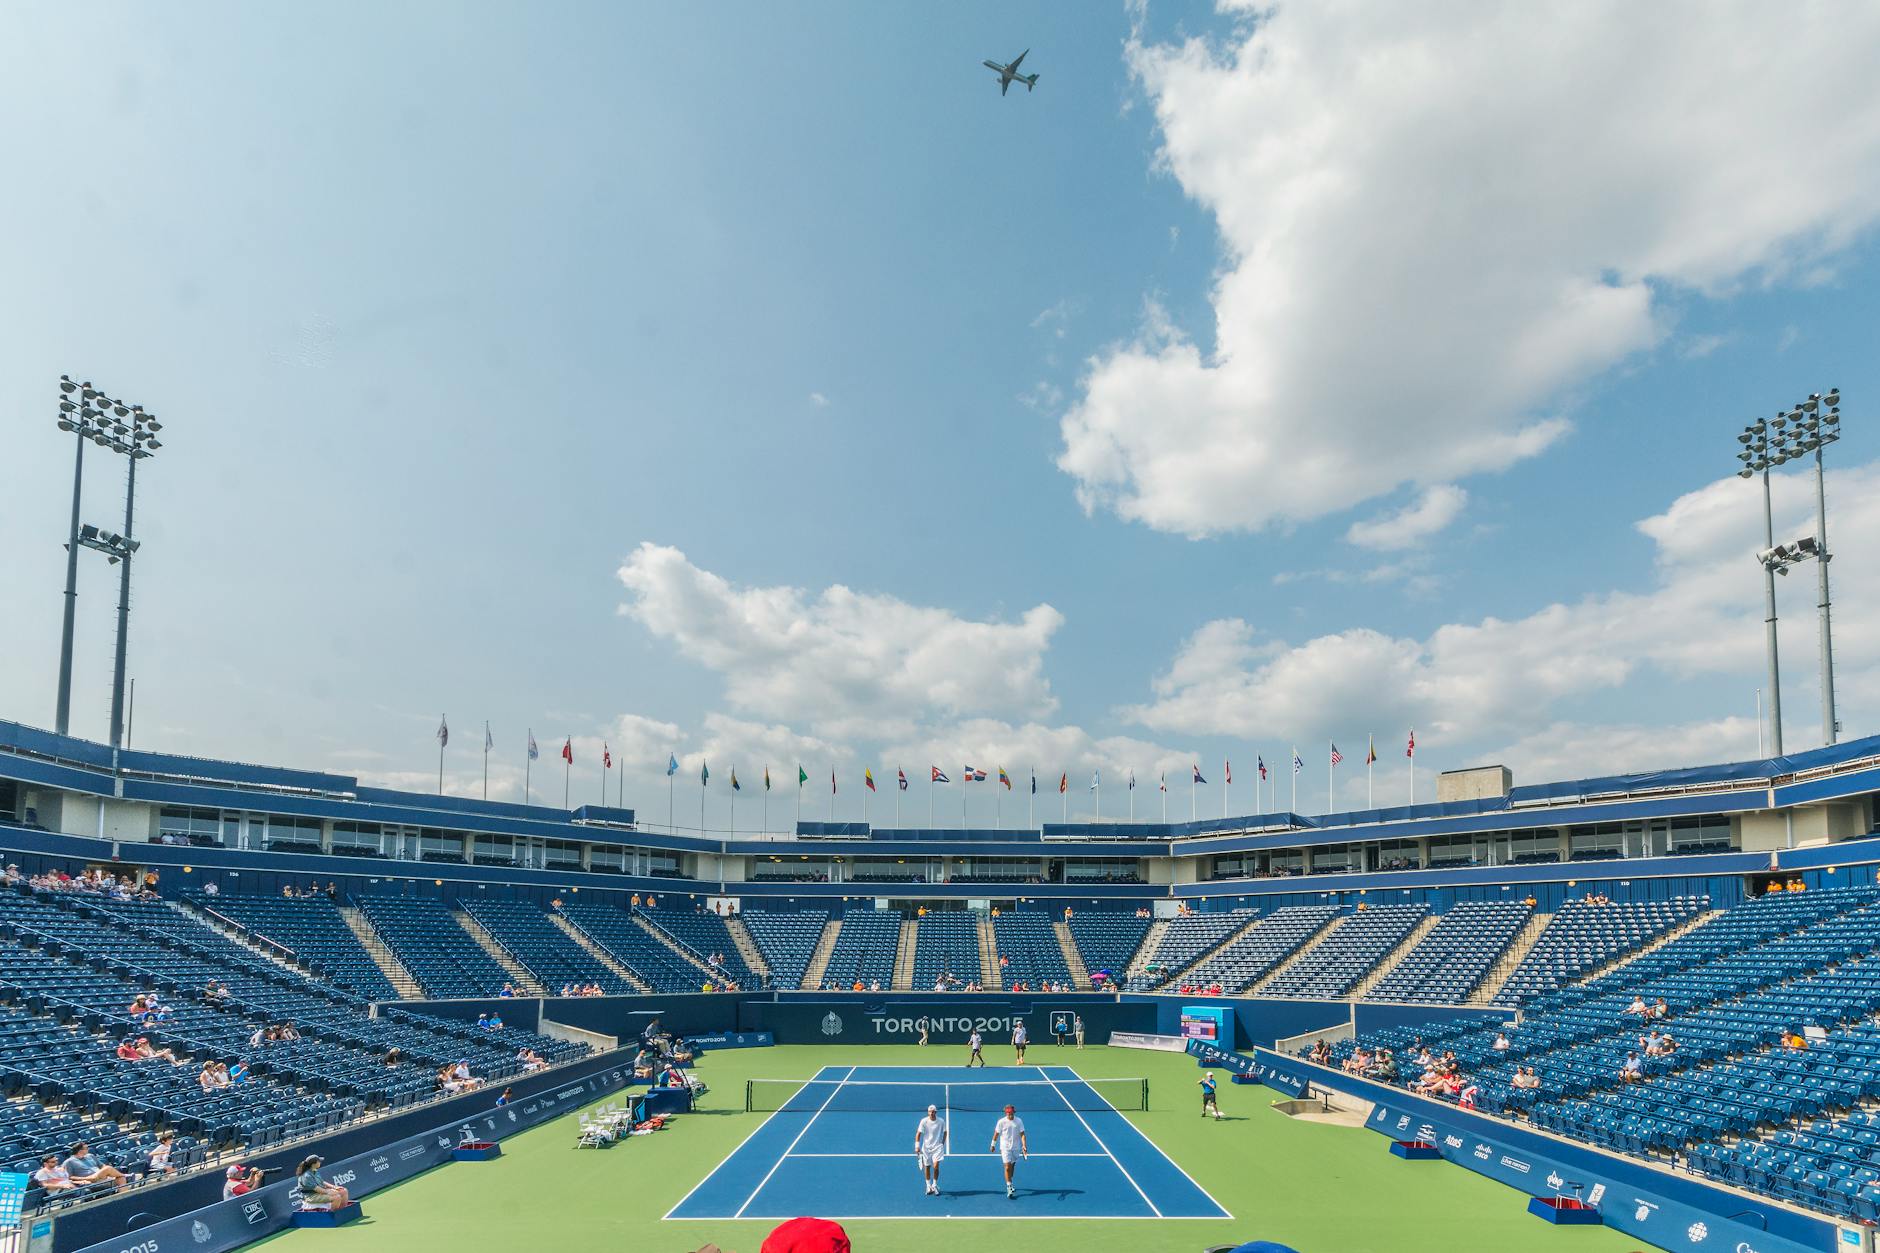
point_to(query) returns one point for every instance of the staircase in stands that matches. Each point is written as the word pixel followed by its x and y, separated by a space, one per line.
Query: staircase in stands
pixel 1150 942
pixel 381 953
pixel 519 975
pixel 747 947
pixel 1175 977
pixel 1073 960
pixel 989 956
pixel 691 958
pixel 819 956
pixel 237 935
pixel 1392 958
pixel 598 953
pixel 1510 961
pixel 904 956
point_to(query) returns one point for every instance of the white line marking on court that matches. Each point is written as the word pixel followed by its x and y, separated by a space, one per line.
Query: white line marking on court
pixel 799 1138
pixel 949 1157
pixel 1158 1148
pixel 1099 1140
pixel 721 1165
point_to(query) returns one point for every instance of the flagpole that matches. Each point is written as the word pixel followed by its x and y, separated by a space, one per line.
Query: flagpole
pixel 732 799
pixel 1194 796
pixel 1097 787
pixel 443 738
pixel 486 759
pixel 897 797
pixel 864 798
pixel 1163 784
pixel 931 787
pixel 701 799
pixel 832 794
pixel 1370 755
pixel 1132 796
pixel 965 783
pixel 567 778
pixel 526 764
pixel 671 829
pixel 766 830
pixel 799 794
pixel 1029 795
pixel 998 809
pixel 1331 768
pixel 1226 778
pixel 1292 764
pixel 1412 755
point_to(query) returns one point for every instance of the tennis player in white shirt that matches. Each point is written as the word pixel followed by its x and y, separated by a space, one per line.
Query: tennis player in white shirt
pixel 930 1145
pixel 1008 1137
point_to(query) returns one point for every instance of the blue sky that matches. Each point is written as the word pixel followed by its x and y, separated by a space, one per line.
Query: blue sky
pixel 451 311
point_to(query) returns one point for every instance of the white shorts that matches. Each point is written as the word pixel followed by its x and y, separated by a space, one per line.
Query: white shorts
pixel 1008 1156
pixel 931 1157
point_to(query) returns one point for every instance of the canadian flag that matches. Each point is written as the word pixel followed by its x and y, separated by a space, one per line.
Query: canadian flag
pixel 567 750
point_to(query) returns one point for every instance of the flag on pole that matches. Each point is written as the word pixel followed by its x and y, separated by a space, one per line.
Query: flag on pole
pixel 534 752
pixel 1410 750
pixel 802 777
pixel 971 775
pixel 734 780
pixel 940 776
pixel 607 756
pixel 704 776
pixel 489 741
pixel 1132 778
pixel 567 750
pixel 1034 781
pixel 1336 755
pixel 1096 779
pixel 832 783
pixel 672 765
pixel 1064 783
pixel 1262 761
pixel 1164 786
pixel 1298 765
pixel 868 778
pixel 766 778
pixel 900 778
pixel 1370 747
pixel 1197 770
pixel 1005 778
pixel 1227 771
pixel 443 732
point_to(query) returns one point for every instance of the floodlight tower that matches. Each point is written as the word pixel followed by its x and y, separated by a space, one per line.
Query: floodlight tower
pixel 1758 455
pixel 1813 425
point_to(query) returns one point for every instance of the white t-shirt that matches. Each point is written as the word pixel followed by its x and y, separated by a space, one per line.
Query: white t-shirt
pixel 930 1135
pixel 1018 1034
pixel 1006 1133
pixel 974 1041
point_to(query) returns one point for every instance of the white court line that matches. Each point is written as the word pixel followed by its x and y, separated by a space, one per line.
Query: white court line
pixel 949 1157
pixel 727 1160
pixel 1158 1148
pixel 1100 1143
pixel 799 1137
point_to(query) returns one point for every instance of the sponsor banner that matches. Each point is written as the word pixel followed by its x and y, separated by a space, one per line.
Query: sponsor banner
pixel 1617 1194
pixel 1141 1040
pixel 233 1223
pixel 863 1021
pixel 732 1040
pixel 1219 1058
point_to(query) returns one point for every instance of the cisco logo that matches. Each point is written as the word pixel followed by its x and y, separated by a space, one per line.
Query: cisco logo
pixel 831 1024
pixel 381 1164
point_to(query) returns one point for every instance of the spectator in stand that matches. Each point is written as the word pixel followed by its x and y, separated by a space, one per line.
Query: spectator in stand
pixel 1639 1007
pixel 127 1050
pixel 1633 1070
pixel 83 1168
pixel 496 1022
pixel 159 1163
pixel 509 989
pixel 1524 1077
pixel 238 1073
pixel 1501 1042
pixel 145 1052
pixel 239 1180
pixel 51 1176
pixel 1660 1009
pixel 1322 1053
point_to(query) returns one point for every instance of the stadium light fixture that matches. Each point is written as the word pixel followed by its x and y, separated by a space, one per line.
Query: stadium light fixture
pixel 120 428
pixel 1757 457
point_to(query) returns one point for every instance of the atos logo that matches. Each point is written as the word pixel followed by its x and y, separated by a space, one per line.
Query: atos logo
pixel 831 1024
pixel 1454 1142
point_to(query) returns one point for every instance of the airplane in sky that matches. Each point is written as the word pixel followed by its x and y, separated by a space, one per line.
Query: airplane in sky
pixel 1009 73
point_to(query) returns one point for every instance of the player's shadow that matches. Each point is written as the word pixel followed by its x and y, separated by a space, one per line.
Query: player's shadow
pixel 1062 1194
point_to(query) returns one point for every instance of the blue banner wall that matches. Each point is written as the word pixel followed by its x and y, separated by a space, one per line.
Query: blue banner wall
pixel 1674 1211
pixel 875 1019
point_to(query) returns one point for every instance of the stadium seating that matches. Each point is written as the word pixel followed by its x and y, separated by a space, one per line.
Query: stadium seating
pixel 1336 965
pixel 531 937
pixel 1029 950
pixel 1449 962
pixel 1262 950
pixel 865 949
pixel 705 935
pixel 1585 935
pixel 311 928
pixel 946 943
pixel 425 937
pixel 1107 940
pixel 656 963
pixel 1187 937
pixel 787 940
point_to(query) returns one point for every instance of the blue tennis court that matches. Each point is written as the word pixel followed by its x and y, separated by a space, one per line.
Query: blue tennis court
pixel 841 1145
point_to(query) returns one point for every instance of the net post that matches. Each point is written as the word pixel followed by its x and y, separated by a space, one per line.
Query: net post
pixel 748 1090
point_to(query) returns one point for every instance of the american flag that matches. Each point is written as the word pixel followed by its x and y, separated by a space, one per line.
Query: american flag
pixel 1336 755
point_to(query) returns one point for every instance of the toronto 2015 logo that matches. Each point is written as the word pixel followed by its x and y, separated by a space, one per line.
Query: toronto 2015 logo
pixel 831 1025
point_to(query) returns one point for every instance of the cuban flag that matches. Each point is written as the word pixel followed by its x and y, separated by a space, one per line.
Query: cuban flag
pixel 939 776
pixel 902 777
pixel 1197 770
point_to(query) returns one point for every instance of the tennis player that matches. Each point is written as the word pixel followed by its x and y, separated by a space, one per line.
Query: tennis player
pixel 1077 1028
pixel 975 1041
pixel 1019 1039
pixel 1207 1096
pixel 1008 1137
pixel 930 1145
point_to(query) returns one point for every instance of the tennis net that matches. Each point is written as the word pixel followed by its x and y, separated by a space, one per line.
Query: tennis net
pixel 909 1096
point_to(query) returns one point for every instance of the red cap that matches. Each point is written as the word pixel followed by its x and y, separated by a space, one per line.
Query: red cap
pixel 1011 1109
pixel 807 1235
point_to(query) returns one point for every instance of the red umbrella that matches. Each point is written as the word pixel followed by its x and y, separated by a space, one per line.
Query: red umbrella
pixel 807 1235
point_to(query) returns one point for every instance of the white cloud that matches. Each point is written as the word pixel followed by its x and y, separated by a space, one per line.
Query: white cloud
pixel 1435 509
pixel 819 400
pixel 839 661
pixel 1422 263
pixel 1475 684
